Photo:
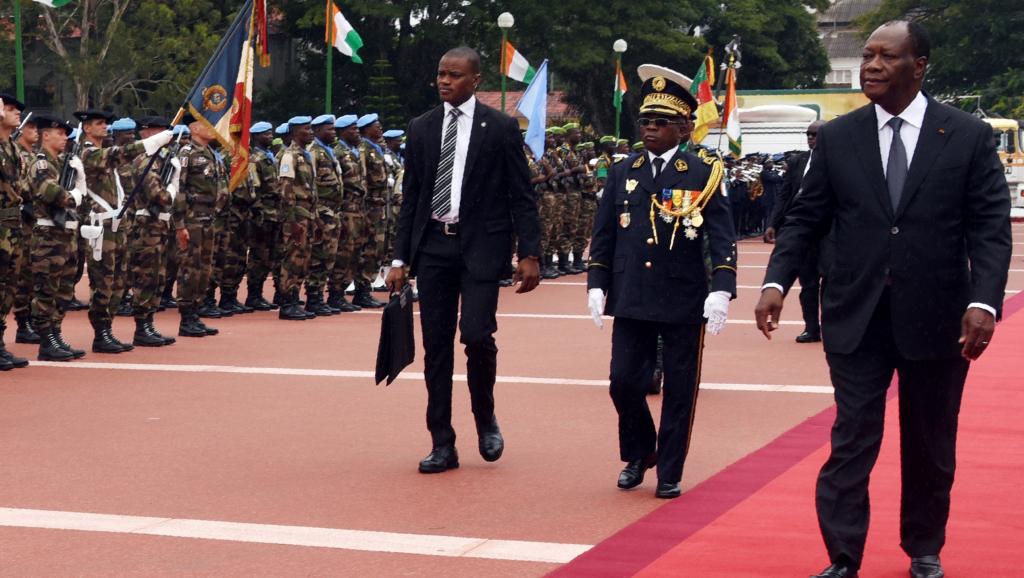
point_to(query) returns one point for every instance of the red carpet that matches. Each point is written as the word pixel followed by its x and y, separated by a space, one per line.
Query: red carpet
pixel 756 518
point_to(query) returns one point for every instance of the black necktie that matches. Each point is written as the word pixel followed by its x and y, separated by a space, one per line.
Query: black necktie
pixel 442 201
pixel 896 168
pixel 658 163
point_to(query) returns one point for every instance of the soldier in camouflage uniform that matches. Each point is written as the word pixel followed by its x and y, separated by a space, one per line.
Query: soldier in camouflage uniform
pixel 298 204
pixel 376 174
pixel 122 131
pixel 540 173
pixel 551 215
pixel 108 273
pixel 54 249
pixel 588 207
pixel 324 253
pixel 571 199
pixel 235 239
pixel 23 296
pixel 202 194
pixel 392 147
pixel 350 263
pixel 221 239
pixel 182 137
pixel 11 240
pixel 151 227
pixel 264 248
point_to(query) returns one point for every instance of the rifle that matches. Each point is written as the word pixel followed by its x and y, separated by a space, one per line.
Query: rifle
pixel 162 153
pixel 67 174
pixel 17 131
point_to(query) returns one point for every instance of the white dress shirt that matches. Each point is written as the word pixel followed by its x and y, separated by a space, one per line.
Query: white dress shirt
pixel 461 149
pixel 666 156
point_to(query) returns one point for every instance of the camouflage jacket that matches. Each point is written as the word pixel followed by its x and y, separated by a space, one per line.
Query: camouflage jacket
pixel 298 184
pixel 268 189
pixel 570 160
pixel 100 164
pixel 27 158
pixel 354 184
pixel 203 187
pixel 153 196
pixel 375 171
pixel 10 175
pixel 328 176
pixel 555 161
pixel 49 199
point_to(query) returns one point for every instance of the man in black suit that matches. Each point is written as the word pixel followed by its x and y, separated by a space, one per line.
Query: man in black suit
pixel 915 197
pixel 660 208
pixel 809 274
pixel 466 190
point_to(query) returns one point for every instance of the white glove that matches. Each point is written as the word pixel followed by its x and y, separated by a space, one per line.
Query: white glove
pixel 595 301
pixel 716 310
pixel 172 187
pixel 80 187
pixel 157 141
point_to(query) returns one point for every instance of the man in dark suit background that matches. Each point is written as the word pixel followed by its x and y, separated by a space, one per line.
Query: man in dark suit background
pixel 466 191
pixel 810 274
pixel 915 197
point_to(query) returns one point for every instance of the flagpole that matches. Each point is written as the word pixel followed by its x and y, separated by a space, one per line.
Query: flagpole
pixel 619 46
pixel 505 21
pixel 330 59
pixel 19 64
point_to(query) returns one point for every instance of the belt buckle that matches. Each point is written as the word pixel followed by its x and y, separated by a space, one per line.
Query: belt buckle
pixel 450 229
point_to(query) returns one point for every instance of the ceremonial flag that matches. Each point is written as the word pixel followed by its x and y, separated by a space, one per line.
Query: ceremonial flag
pixel 516 66
pixel 731 115
pixel 620 86
pixel 707 109
pixel 222 96
pixel 260 44
pixel 534 106
pixel 341 35
pixel 54 3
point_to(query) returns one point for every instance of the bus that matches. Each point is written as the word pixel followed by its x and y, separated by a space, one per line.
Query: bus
pixel 1009 136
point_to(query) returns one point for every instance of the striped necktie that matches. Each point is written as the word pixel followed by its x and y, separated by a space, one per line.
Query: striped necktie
pixel 442 201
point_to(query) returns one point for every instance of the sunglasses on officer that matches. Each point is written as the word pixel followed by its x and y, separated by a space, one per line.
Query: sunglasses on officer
pixel 658 122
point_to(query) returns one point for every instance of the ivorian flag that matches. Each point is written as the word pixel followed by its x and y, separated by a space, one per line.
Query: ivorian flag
pixel 54 3
pixel 341 35
pixel 731 115
pixel 707 109
pixel 222 96
pixel 620 87
pixel 516 66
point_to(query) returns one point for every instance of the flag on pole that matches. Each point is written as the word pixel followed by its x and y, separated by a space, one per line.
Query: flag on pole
pixel 620 86
pixel 516 66
pixel 260 44
pixel 731 115
pixel 534 106
pixel 707 109
pixel 341 35
pixel 222 95
pixel 53 3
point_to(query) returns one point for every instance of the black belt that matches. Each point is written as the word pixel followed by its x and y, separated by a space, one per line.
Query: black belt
pixel 448 229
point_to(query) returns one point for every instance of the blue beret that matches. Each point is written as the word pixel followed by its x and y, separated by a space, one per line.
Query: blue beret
pixel 394 133
pixel 261 126
pixel 323 119
pixel 367 119
pixel 281 128
pixel 122 125
pixel 346 121
pixel 299 120
pixel 181 129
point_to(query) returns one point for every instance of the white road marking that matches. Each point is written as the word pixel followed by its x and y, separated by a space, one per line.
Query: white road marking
pixel 573 317
pixel 335 538
pixel 408 376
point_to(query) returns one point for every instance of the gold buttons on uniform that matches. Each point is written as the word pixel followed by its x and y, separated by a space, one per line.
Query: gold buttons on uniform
pixel 648 265
pixel 650 240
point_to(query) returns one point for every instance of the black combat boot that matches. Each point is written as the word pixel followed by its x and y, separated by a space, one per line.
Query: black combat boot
pixel 209 309
pixel 315 304
pixel 189 326
pixel 50 348
pixel 255 299
pixel 76 305
pixel 124 346
pixel 209 330
pixel 364 299
pixel 229 302
pixel 577 262
pixel 338 301
pixel 152 331
pixel 26 332
pixel 167 300
pixel 143 337
pixel 58 334
pixel 104 342
pixel 125 309
pixel 563 263
pixel 8 359
pixel 290 310
pixel 5 365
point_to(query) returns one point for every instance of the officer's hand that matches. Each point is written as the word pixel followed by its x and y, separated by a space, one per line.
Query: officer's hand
pixel 768 310
pixel 183 239
pixel 976 330
pixel 716 311
pixel 595 302
pixel 769 235
pixel 395 279
pixel 527 275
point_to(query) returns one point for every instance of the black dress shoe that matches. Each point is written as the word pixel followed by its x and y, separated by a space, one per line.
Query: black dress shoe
pixel 633 474
pixel 440 460
pixel 491 445
pixel 837 571
pixel 808 337
pixel 667 491
pixel 926 567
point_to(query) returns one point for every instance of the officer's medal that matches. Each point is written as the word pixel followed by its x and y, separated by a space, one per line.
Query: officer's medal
pixel 631 185
pixel 624 217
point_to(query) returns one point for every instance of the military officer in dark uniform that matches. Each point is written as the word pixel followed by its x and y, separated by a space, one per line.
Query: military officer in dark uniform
pixel 663 263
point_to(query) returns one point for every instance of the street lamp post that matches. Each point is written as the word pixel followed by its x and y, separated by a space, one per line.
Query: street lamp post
pixel 619 46
pixel 505 21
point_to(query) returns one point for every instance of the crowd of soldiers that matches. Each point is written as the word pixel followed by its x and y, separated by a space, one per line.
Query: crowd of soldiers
pixel 140 206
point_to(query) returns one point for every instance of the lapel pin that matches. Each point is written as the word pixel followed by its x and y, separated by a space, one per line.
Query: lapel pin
pixel 681 166
pixel 483 124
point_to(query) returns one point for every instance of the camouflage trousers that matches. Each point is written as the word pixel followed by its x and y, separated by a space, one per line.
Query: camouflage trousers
pixel 549 221
pixel 235 251
pixel 220 247
pixel 569 215
pixel 23 293
pixel 296 239
pixel 324 253
pixel 54 257
pixel 12 247
pixel 195 265
pixel 373 239
pixel 265 250
pixel 108 276
pixel 585 223
pixel 147 264
pixel 349 265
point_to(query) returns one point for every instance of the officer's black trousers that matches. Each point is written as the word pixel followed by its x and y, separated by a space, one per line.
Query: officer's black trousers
pixel 929 403
pixel 810 288
pixel 634 351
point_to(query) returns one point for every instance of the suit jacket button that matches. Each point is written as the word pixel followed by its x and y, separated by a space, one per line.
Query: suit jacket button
pixel 648 265
pixel 895 230
pixel 650 240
